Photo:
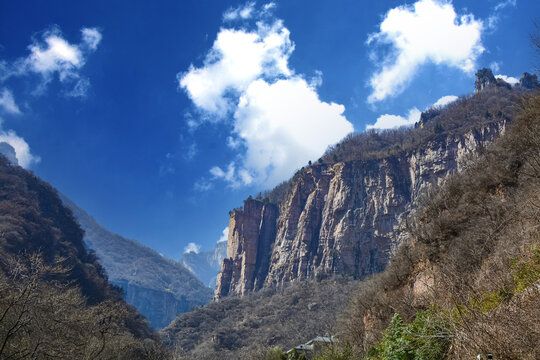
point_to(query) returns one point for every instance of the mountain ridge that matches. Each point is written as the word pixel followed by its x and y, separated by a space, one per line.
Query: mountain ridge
pixel 346 214
pixel 160 288
pixel 205 265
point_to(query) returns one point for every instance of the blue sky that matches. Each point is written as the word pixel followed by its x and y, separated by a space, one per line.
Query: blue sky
pixel 159 117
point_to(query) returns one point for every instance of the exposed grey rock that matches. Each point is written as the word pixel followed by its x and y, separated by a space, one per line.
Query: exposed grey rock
pixel 345 219
pixel 484 79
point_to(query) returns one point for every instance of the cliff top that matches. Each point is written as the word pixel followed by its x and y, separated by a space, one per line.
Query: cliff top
pixel 494 103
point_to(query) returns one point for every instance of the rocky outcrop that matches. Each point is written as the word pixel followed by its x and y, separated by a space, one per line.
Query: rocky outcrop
pixel 528 81
pixel 484 79
pixel 8 152
pixel 251 235
pixel 344 218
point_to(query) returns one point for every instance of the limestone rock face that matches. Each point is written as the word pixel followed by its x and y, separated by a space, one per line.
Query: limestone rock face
pixel 345 218
pixel 484 79
pixel 251 235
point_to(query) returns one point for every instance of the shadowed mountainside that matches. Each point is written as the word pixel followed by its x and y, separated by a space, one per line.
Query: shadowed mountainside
pixel 55 301
pixel 158 287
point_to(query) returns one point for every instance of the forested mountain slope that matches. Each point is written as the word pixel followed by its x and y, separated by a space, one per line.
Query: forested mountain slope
pixel 55 301
pixel 158 287
pixel 468 282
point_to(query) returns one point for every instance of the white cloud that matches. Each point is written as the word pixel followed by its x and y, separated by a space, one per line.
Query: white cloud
pixel 55 55
pixel 428 31
pixel 91 37
pixel 7 102
pixel 21 147
pixel 237 58
pixel 240 13
pixel 224 235
pixel 494 18
pixel 388 121
pixel 445 100
pixel 279 121
pixel 509 79
pixel 283 125
pixel 192 247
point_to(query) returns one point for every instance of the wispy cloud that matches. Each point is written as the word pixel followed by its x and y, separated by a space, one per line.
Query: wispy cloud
pixel 7 102
pixel 427 31
pixel 53 55
pixel 242 12
pixel 498 11
pixel 278 120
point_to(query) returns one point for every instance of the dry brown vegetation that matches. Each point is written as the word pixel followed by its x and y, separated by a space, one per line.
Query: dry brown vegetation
pixel 55 301
pixel 493 105
pixel 474 255
pixel 44 318
pixel 245 328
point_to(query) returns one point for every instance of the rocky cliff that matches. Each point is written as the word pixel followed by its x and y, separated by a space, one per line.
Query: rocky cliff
pixel 344 218
pixel 347 213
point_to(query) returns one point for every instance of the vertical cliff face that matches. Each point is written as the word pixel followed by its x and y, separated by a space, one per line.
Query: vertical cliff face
pixel 251 235
pixel 344 218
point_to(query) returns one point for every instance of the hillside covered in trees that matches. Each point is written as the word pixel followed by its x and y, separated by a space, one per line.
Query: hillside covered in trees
pixel 55 301
pixel 468 282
